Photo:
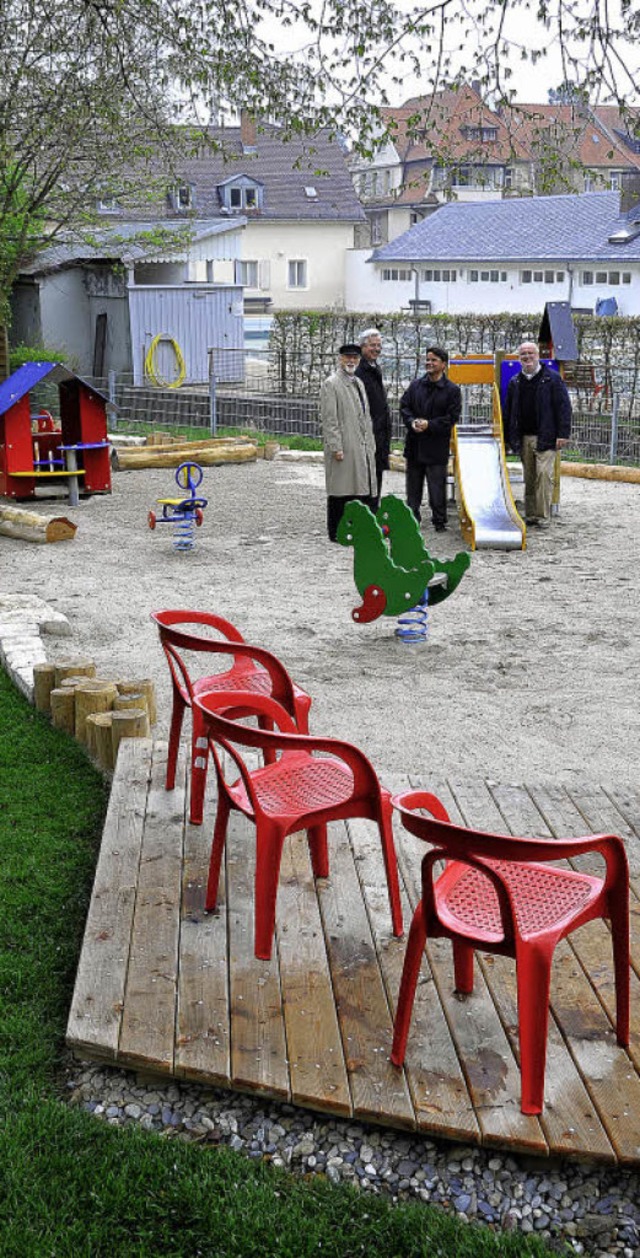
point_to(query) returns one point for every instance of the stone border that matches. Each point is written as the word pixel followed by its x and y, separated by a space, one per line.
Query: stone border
pixel 23 619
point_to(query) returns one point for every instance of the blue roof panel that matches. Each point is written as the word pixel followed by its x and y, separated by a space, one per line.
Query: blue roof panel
pixel 520 229
pixel 31 374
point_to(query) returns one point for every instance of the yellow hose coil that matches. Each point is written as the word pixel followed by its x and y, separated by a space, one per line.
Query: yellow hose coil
pixel 151 370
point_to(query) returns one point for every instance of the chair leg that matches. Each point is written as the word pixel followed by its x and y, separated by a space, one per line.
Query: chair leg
pixel 410 971
pixel 175 730
pixel 621 968
pixel 319 851
pixel 390 863
pixel 269 843
pixel 533 974
pixel 463 966
pixel 217 849
pixel 199 766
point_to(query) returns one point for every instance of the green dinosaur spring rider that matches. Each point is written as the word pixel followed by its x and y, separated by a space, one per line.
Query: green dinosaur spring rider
pixel 394 573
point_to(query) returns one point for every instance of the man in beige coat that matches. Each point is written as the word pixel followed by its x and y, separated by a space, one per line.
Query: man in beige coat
pixel 349 447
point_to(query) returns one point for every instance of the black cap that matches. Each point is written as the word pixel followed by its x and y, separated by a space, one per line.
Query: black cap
pixel 350 348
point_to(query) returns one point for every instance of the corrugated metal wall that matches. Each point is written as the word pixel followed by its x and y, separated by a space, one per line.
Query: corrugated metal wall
pixel 198 319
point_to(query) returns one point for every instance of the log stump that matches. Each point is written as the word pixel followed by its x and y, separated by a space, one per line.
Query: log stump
pixel 74 668
pixel 133 723
pixel 92 697
pixel 145 686
pixel 100 740
pixel 44 680
pixel 63 709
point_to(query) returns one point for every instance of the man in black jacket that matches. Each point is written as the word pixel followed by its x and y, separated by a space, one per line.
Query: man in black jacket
pixel 371 376
pixel 537 422
pixel 430 408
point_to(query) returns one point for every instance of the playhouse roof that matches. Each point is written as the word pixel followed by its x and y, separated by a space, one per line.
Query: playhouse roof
pixel 31 374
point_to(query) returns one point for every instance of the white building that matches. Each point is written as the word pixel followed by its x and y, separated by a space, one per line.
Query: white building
pixel 510 255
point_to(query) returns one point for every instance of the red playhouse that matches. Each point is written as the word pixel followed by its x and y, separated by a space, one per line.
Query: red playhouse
pixel 37 449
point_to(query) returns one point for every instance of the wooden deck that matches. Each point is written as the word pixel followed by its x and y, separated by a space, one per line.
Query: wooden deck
pixel 165 989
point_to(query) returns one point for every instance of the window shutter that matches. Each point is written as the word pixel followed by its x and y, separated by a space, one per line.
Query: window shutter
pixel 264 274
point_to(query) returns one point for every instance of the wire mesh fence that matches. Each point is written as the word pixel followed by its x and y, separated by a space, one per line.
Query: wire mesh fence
pixel 277 394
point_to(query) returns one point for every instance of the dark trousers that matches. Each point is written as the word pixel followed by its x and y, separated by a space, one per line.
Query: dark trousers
pixel 435 475
pixel 335 507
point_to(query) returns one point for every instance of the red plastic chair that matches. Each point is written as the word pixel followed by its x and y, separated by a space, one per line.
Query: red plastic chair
pixel 496 895
pixel 252 669
pixel 298 789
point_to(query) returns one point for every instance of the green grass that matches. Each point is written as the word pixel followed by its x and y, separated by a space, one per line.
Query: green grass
pixel 74 1187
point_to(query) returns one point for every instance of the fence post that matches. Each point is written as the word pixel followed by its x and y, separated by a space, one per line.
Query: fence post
pixel 615 407
pixel 112 407
pixel 213 409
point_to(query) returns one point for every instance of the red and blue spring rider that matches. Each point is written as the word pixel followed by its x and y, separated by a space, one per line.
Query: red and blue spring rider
pixel 184 513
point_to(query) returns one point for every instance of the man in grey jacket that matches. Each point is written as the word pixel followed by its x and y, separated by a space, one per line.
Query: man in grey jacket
pixel 349 446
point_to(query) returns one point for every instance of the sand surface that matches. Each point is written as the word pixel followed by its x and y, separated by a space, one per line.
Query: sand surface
pixel 531 669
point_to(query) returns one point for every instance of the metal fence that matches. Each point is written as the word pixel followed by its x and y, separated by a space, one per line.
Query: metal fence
pixel 261 397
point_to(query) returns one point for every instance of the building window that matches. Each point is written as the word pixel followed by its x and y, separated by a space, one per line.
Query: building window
pixel 182 197
pixel 495 277
pixel 601 277
pixel 509 177
pixel 526 277
pixel 297 273
pixel 376 230
pixel 538 277
pixel 548 277
pixel 615 180
pixel 396 273
pixel 250 198
pixel 587 277
pixel 247 274
pixel 473 277
pixel 235 198
pixel 560 277
pixel 614 277
pixel 626 277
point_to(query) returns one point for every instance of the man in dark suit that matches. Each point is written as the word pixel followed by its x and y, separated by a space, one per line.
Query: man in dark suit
pixel 371 376
pixel 430 408
pixel 537 423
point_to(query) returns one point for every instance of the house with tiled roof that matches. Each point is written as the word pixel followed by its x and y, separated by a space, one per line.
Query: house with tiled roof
pixel 511 255
pixel 453 146
pixel 299 203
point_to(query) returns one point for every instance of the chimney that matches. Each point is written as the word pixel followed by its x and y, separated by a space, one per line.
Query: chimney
pixel 247 132
pixel 629 190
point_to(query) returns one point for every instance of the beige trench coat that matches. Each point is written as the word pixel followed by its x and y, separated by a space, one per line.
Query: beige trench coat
pixel 346 426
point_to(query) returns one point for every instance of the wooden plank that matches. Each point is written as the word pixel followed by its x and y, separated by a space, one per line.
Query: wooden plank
pixel 202 1027
pixel 487 1058
pixel 316 1060
pixel 96 1007
pixel 602 817
pixel 563 818
pixel 435 1080
pixel 608 1074
pixel 148 1022
pixel 378 1090
pixel 627 802
pixel 258 1043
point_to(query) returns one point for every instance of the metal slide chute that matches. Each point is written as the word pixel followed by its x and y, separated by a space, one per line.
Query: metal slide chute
pixel 488 514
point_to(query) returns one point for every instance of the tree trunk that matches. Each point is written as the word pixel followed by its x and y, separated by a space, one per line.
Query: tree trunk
pixel 134 723
pixel 44 680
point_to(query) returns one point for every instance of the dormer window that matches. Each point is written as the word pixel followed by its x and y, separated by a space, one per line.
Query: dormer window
pixel 107 203
pixel 241 193
pixel 311 193
pixel 181 197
